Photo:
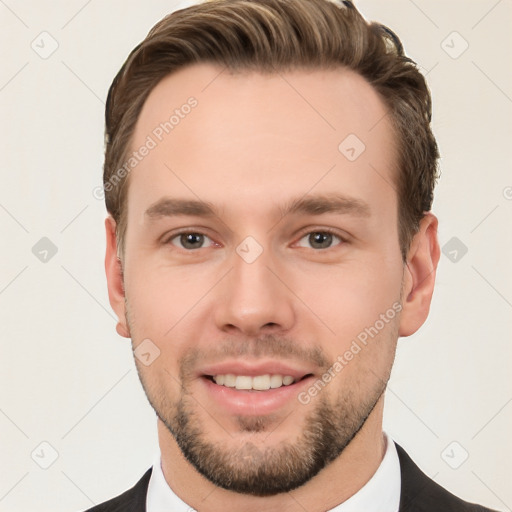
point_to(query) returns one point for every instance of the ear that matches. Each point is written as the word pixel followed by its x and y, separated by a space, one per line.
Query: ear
pixel 419 276
pixel 114 272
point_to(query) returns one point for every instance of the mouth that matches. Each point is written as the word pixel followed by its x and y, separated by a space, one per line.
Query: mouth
pixel 252 388
pixel 264 382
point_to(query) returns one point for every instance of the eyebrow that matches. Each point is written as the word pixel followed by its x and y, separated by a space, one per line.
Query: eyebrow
pixel 169 207
pixel 330 203
pixel 306 205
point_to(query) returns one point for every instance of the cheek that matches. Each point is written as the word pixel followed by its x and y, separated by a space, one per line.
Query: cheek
pixel 161 297
pixel 349 298
pixel 365 351
pixel 161 382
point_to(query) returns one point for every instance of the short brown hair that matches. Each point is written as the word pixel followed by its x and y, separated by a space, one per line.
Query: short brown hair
pixel 271 36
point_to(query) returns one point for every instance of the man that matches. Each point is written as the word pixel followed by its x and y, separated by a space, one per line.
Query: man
pixel 269 175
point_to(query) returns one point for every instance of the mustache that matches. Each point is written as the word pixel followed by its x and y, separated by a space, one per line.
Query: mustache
pixel 269 346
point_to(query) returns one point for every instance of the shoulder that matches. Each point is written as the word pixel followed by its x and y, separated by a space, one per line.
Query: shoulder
pixel 132 500
pixel 421 494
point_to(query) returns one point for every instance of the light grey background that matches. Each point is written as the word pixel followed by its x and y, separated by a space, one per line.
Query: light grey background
pixel 68 379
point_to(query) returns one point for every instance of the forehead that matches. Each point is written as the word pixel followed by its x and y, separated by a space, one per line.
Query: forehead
pixel 250 138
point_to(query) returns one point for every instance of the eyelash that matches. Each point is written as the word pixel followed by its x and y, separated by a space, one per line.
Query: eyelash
pixel 329 231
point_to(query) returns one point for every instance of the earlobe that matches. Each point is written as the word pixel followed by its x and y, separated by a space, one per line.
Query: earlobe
pixel 419 276
pixel 114 273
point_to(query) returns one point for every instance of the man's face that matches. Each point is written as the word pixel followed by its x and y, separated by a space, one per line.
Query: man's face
pixel 258 250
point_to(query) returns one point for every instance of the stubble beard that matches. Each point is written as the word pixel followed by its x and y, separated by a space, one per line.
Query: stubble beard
pixel 264 471
pixel 250 469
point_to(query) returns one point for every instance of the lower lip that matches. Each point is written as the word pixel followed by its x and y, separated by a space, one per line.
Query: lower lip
pixel 253 402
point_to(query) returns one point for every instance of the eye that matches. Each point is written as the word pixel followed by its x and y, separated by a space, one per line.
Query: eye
pixel 190 241
pixel 319 240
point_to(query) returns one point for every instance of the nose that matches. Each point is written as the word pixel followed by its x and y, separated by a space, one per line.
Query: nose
pixel 253 299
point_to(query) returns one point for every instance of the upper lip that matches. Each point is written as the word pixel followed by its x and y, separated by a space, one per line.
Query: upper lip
pixel 252 369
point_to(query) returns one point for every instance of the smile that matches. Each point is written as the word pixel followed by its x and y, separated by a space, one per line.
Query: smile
pixel 257 382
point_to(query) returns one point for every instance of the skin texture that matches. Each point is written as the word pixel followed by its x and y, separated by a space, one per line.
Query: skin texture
pixel 253 144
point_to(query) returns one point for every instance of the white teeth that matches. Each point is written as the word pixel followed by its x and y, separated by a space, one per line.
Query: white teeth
pixel 229 380
pixel 276 381
pixel 243 382
pixel 287 380
pixel 260 382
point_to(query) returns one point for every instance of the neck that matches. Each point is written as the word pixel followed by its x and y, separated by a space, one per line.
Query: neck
pixel 351 471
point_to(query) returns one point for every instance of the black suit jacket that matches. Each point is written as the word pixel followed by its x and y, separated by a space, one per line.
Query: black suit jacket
pixel 419 494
